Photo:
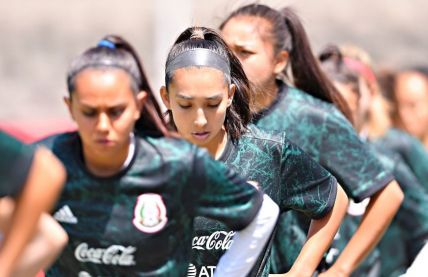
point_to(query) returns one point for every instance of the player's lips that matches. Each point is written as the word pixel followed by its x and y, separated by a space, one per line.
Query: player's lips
pixel 200 135
pixel 104 141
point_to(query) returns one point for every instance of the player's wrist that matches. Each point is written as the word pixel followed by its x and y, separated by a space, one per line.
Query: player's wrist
pixel 300 271
pixel 341 270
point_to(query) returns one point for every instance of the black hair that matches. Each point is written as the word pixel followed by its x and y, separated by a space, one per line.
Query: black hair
pixel 287 33
pixel 115 52
pixel 333 65
pixel 239 114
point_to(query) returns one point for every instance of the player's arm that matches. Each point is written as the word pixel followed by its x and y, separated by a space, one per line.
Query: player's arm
pixel 47 242
pixel 315 192
pixel 321 234
pixel 382 208
pixel 39 193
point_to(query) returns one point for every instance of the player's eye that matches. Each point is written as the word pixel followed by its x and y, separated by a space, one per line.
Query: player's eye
pixel 214 105
pixel 116 112
pixel 184 106
pixel 89 113
pixel 243 53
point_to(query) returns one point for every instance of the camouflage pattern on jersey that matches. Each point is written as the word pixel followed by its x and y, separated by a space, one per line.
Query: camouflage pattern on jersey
pixel 324 133
pixel 285 173
pixel 139 222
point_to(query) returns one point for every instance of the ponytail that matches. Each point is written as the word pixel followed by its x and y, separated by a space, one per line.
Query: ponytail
pixel 288 34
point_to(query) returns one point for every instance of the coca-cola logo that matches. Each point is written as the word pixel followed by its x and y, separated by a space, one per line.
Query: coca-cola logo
pixel 219 240
pixel 112 255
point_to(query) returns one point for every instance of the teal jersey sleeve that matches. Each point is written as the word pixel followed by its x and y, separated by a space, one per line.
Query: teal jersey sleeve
pixel 348 158
pixel 284 171
pixel 307 186
pixel 411 150
pixel 225 196
pixel 324 133
pixel 15 163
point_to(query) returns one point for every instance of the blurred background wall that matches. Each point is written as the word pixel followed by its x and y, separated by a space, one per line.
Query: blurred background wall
pixel 39 38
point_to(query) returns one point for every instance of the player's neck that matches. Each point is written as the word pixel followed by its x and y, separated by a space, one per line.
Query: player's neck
pixel 264 96
pixel 106 164
pixel 218 144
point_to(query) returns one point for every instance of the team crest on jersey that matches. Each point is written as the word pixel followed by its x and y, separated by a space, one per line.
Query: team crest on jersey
pixel 150 213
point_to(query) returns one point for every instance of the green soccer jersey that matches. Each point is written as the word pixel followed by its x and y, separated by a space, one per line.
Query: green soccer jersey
pixel 15 164
pixel 411 150
pixel 139 222
pixel 285 172
pixel 408 231
pixel 324 133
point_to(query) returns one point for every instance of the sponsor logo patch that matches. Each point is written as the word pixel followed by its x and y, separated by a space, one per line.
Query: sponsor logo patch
pixel 112 255
pixel 65 215
pixel 150 213
pixel 218 240
pixel 204 271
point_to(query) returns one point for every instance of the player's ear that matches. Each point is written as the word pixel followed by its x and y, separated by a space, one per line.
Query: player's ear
pixel 230 94
pixel 68 103
pixel 141 99
pixel 165 97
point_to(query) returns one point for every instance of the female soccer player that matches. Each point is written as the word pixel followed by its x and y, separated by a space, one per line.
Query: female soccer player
pixel 410 102
pixel 408 232
pixel 408 147
pixel 207 95
pixel 34 178
pixel 270 44
pixel 129 201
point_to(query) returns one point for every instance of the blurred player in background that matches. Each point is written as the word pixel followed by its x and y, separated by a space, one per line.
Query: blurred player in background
pixel 30 182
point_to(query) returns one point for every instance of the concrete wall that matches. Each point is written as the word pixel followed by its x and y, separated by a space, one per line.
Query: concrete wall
pixel 39 38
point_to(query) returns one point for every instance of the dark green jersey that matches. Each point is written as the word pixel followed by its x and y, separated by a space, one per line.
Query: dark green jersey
pixel 324 133
pixel 285 172
pixel 15 163
pixel 409 229
pixel 411 150
pixel 140 221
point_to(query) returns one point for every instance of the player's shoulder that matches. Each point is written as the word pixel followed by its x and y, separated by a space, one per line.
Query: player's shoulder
pixel 169 148
pixel 267 139
pixel 308 106
pixel 255 134
pixel 58 142
pixel 399 138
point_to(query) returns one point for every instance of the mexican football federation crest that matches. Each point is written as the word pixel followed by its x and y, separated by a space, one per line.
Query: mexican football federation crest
pixel 150 213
